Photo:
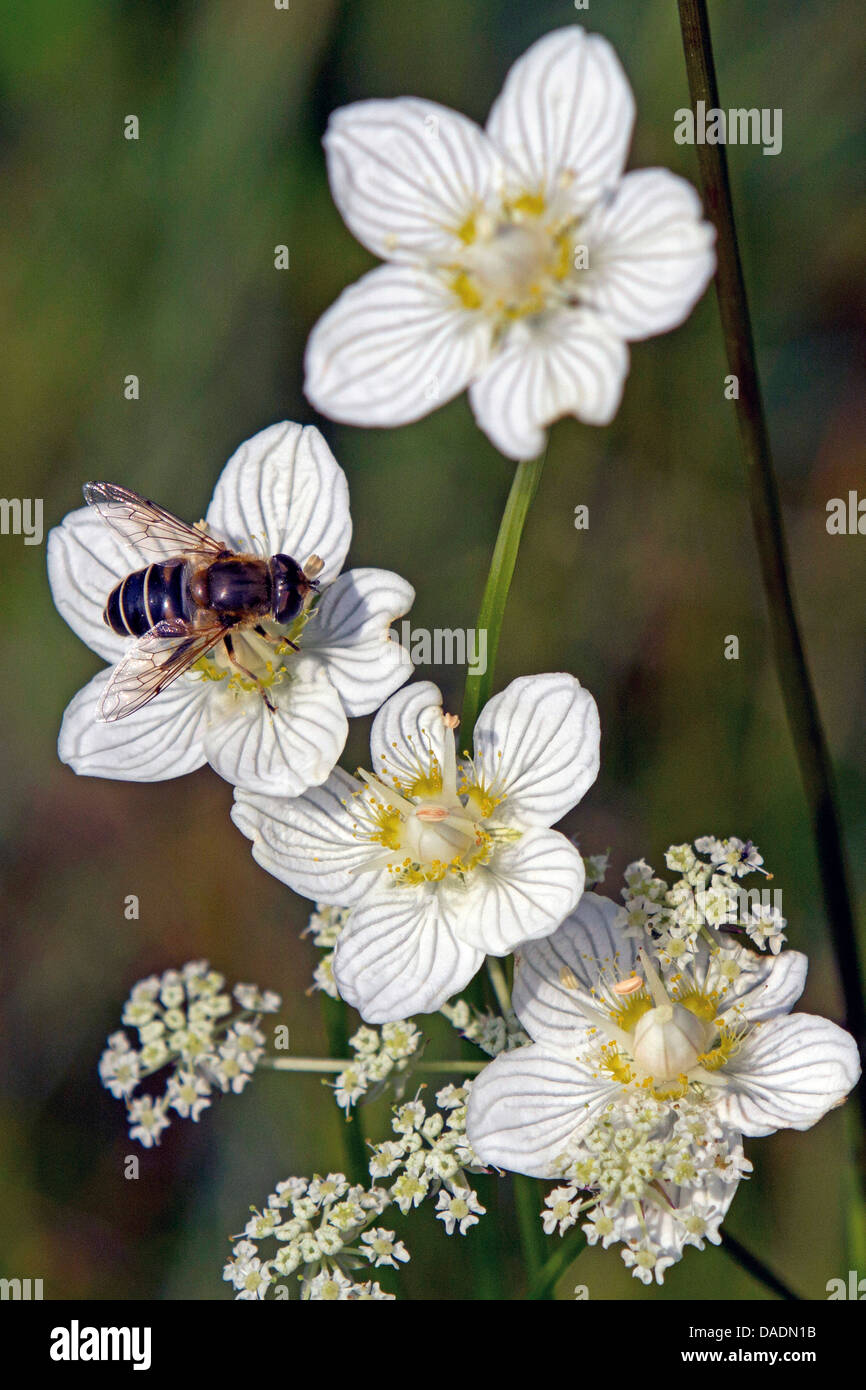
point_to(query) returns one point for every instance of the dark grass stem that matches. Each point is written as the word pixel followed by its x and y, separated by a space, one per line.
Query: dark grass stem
pixel 757 1268
pixel 798 693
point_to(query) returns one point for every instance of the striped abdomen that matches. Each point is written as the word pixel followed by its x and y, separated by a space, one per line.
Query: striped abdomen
pixel 149 596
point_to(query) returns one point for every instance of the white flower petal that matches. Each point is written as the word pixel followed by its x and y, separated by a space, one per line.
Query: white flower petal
pixel 284 753
pixel 165 738
pixel 539 739
pixel 407 740
pixel 284 492
pixel 528 1105
pixel 308 841
pixel 86 559
pixel 407 174
pixel 587 943
pixel 787 1074
pixel 566 362
pixel 564 118
pixel 393 347
pixel 396 957
pixel 524 892
pixel 651 254
pixel 772 987
pixel 350 633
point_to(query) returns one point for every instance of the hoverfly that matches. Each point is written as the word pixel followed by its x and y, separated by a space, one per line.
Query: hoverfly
pixel 195 595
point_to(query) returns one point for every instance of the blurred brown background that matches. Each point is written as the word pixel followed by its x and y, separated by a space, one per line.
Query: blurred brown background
pixel 156 258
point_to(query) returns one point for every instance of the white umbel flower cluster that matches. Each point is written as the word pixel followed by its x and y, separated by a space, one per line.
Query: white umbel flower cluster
pixel 188 1026
pixel 326 1229
pixel 706 899
pixel 383 1057
pixel 322 1229
pixel 430 1157
pixel 652 1177
pixel 493 1033
pixel 324 927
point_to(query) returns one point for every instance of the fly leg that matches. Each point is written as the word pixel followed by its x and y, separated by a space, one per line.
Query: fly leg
pixel 275 641
pixel 229 646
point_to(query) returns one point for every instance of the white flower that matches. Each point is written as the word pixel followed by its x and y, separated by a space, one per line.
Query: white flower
pixel 372 1293
pixel 522 259
pixel 147 1120
pixel 440 864
pixel 384 1248
pixel 331 1285
pixel 188 1094
pixel 460 1208
pixel 282 492
pixel 561 1213
pixel 727 1045
pixel 247 1273
pixel 738 857
pixel 250 997
pixel 119 1067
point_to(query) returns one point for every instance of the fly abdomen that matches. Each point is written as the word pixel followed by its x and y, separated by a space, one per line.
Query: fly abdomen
pixel 146 597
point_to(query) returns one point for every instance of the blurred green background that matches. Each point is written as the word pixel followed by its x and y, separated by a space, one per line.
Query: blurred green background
pixel 156 257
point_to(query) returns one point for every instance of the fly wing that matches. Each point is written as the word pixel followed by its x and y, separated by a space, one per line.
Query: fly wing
pixel 151 529
pixel 152 663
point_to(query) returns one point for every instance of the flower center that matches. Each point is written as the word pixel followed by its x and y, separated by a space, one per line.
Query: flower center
pixel 427 828
pixel 265 660
pixel 436 834
pixel 653 1039
pixel 425 838
pixel 667 1041
pixel 515 264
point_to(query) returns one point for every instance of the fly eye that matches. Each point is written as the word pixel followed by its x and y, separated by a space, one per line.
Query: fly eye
pixel 287 604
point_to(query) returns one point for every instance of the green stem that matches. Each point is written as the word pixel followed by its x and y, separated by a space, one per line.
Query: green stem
pixel 336 1027
pixel 338 1064
pixel 478 687
pixel 527 1205
pixel 545 1281
pixel 526 1190
pixel 798 693
pixel 476 694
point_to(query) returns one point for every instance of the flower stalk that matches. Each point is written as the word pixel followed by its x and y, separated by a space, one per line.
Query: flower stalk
pixel 448 1067
pixel 527 476
pixel 547 1277
pixel 798 693
pixel 477 691
pixel 335 1018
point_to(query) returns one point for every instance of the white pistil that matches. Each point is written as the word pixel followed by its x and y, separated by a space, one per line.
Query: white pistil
pixel 669 1039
